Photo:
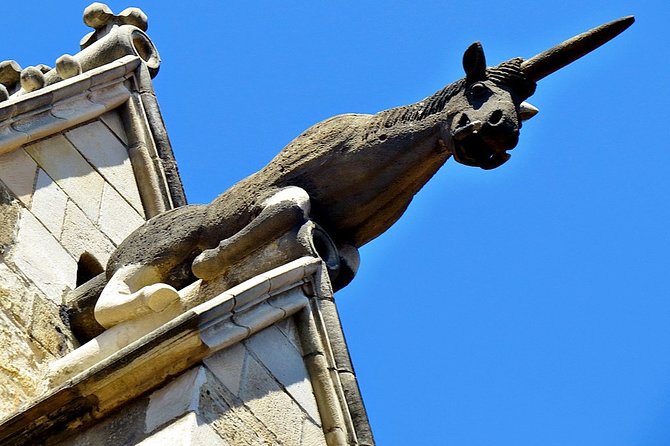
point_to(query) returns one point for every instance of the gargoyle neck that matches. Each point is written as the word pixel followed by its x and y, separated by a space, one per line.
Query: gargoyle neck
pixel 421 110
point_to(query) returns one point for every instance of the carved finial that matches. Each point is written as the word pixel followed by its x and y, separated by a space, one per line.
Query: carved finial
pixel 101 18
pixel 32 79
pixel 67 66
pixel 96 15
pixel 10 72
pixel 43 68
pixel 135 17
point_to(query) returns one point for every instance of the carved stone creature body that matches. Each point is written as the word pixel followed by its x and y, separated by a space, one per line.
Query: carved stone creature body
pixel 352 174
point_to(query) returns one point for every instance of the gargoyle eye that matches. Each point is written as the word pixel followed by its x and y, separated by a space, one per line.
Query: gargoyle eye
pixel 478 90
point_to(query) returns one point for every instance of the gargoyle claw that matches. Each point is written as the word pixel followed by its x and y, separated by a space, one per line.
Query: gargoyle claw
pixel 208 264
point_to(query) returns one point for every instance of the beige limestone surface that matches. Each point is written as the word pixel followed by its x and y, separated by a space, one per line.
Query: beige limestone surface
pixel 67 191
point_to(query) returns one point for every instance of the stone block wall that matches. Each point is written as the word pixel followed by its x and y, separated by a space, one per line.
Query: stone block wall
pixel 256 392
pixel 262 362
pixel 261 385
pixel 77 195
pixel 66 202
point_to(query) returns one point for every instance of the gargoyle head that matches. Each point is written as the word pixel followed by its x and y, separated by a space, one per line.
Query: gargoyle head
pixel 485 118
pixel 487 115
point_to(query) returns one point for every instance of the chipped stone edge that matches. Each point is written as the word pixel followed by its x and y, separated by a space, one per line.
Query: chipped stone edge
pixel 184 341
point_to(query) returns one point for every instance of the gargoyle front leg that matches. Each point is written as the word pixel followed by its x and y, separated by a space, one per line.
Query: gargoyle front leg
pixel 133 291
pixel 281 211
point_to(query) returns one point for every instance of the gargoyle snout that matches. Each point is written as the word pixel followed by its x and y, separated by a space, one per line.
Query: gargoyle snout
pixel 467 126
pixel 495 118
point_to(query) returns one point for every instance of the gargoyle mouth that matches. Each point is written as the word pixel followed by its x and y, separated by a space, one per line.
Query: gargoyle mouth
pixel 481 145
pixel 468 129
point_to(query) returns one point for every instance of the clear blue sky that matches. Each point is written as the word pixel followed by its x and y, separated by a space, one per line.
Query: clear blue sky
pixel 529 305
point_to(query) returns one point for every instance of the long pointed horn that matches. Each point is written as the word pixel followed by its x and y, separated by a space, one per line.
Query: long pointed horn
pixel 547 62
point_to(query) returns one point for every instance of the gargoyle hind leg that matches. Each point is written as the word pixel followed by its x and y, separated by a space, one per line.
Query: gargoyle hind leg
pixel 281 211
pixel 133 291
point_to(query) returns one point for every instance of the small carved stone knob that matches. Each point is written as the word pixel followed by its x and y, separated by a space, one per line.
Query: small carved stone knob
pixel 96 15
pixel 32 79
pixel 67 66
pixel 10 72
pixel 43 68
pixel 135 17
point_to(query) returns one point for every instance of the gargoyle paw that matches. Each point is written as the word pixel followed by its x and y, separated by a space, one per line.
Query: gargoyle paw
pixel 158 296
pixel 208 264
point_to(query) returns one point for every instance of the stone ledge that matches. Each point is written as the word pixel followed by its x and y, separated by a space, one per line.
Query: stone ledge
pixel 175 345
pixel 164 352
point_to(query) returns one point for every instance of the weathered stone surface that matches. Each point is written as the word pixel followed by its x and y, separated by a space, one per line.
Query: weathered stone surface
pixel 80 235
pixel 18 171
pixel 194 409
pixel 9 218
pixel 48 203
pixel 227 365
pixel 113 120
pixel 74 101
pixel 163 146
pixel 186 431
pixel 76 109
pixel 71 172
pixel 16 299
pixel 10 73
pixel 219 333
pixel 117 218
pixel 125 427
pixel 289 329
pixel 387 157
pixel 32 79
pixel 357 410
pixel 261 410
pixel 312 435
pixel 380 161
pixel 67 66
pixel 177 398
pixel 37 124
pixel 232 419
pixel 285 363
pixel 270 404
pixel 79 305
pixel 263 314
pixel 30 309
pixel 35 253
pixel 49 329
pixel 20 368
pixel 31 333
pixel 109 157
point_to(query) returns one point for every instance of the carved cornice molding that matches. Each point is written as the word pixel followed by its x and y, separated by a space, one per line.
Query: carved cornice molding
pixel 27 118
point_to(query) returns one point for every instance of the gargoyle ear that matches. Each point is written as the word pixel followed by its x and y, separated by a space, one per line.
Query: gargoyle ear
pixel 474 62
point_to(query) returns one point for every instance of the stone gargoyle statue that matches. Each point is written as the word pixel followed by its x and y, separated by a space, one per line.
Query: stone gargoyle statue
pixel 353 175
